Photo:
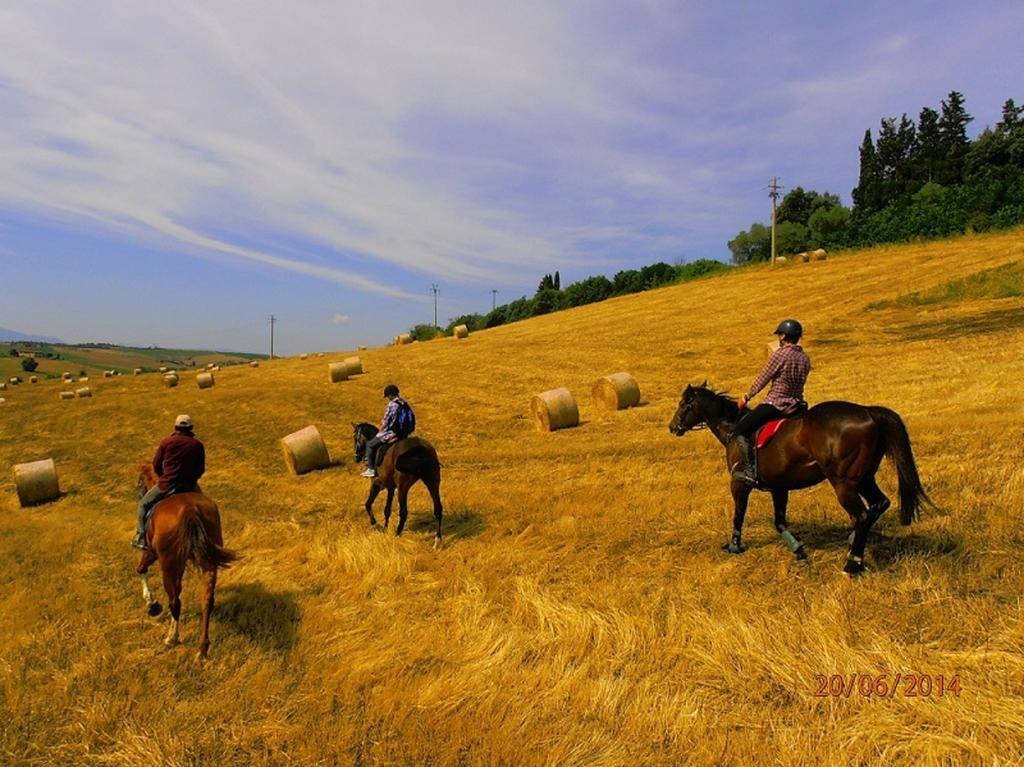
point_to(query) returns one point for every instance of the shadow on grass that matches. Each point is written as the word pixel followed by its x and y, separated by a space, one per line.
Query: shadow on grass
pixel 266 619
pixel 977 324
pixel 882 547
pixel 462 523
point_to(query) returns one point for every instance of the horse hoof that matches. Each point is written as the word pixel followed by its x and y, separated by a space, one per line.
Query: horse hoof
pixel 154 609
pixel 437 544
pixel 801 554
pixel 853 568
pixel 734 548
pixel 171 641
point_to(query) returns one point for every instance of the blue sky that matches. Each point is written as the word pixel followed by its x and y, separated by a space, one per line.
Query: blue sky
pixel 173 173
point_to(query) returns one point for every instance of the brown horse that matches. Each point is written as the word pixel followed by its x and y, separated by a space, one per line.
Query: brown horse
pixel 182 528
pixel 408 461
pixel 838 441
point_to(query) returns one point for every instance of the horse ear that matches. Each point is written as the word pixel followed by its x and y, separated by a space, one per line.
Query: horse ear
pixel 705 384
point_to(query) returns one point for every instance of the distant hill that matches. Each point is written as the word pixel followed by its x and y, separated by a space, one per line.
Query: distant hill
pixel 6 334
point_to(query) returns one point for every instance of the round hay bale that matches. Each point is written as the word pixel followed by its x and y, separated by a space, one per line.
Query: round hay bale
pixel 305 451
pixel 460 331
pixel 137 372
pixel 804 257
pixel 67 395
pixel 337 371
pixel 819 254
pixel 209 366
pixel 320 354
pixel 361 349
pixel 215 369
pixel 2 400
pixel 303 356
pixel 3 386
pixel 403 339
pixel 83 379
pixel 15 381
pixel 254 364
pixel 205 380
pixel 33 379
pixel 163 369
pixel 555 409
pixel 170 380
pixel 355 366
pixel 617 391
pixel 108 373
pixel 85 391
pixel 781 260
pixel 36 482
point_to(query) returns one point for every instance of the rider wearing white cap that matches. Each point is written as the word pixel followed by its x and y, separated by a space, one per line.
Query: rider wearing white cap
pixel 179 462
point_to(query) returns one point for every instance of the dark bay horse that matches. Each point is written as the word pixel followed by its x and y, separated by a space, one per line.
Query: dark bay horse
pixel 407 462
pixel 838 441
pixel 182 528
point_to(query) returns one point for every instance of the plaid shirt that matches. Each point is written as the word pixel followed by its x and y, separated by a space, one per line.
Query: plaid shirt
pixel 387 425
pixel 787 369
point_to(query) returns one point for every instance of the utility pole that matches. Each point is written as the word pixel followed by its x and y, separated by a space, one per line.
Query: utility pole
pixel 494 298
pixel 433 289
pixel 773 192
pixel 273 319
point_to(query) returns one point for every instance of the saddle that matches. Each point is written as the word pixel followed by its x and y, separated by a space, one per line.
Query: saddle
pixel 766 432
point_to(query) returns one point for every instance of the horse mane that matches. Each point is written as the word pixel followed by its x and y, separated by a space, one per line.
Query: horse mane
pixel 727 406
pixel 149 477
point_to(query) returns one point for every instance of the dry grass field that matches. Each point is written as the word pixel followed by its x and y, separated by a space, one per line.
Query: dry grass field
pixel 581 611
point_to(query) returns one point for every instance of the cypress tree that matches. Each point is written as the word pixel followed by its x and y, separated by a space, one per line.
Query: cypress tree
pixel 866 196
pixel 953 132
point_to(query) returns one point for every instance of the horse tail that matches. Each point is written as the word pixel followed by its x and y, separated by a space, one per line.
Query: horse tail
pixel 198 547
pixel 420 462
pixel 895 442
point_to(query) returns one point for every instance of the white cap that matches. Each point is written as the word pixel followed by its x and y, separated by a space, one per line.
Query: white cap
pixel 183 421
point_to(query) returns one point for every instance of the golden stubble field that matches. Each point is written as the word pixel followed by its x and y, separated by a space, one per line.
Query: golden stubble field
pixel 581 611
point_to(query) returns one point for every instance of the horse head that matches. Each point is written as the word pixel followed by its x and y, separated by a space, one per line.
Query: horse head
pixel 361 434
pixel 692 411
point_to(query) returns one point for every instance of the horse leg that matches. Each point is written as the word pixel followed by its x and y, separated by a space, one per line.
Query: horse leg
pixel 374 492
pixel 172 585
pixel 403 503
pixel 209 585
pixel 878 502
pixel 387 506
pixel 152 606
pixel 740 496
pixel 849 499
pixel 434 488
pixel 780 500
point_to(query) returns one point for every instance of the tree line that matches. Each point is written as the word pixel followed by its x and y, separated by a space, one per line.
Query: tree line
pixel 550 296
pixel 916 180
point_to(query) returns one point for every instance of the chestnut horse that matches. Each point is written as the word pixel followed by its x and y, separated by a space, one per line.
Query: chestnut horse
pixel 406 462
pixel 838 441
pixel 182 528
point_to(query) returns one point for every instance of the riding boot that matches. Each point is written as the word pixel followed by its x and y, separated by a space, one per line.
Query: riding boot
pixel 747 473
pixel 139 541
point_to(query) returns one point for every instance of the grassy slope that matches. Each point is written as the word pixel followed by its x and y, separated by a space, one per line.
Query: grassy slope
pixel 581 611
pixel 95 360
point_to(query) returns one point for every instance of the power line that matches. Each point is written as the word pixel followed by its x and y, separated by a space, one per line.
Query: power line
pixel 773 189
pixel 272 319
pixel 433 289
pixel 494 298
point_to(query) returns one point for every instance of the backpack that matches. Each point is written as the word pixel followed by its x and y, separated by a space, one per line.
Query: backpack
pixel 405 420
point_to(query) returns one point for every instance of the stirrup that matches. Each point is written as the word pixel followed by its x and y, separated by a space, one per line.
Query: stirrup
pixel 139 542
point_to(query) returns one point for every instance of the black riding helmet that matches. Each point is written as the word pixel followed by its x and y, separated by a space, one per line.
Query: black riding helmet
pixel 390 390
pixel 791 329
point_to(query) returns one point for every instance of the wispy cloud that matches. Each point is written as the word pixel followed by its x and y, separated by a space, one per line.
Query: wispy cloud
pixel 340 319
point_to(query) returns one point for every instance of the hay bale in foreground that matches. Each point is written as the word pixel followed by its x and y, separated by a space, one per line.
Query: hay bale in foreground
pixel 819 254
pixel 36 482
pixel 337 371
pixel 460 331
pixel 67 395
pixel 555 409
pixel 355 366
pixel 85 391
pixel 305 451
pixel 617 391
pixel 170 380
pixel 205 380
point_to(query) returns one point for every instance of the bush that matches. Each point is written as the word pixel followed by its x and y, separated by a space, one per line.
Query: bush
pixel 699 268
pixel 627 281
pixel 471 321
pixel 424 332
pixel 547 301
pixel 28 364
pixel 587 291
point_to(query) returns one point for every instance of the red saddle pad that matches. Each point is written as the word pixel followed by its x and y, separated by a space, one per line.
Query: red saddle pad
pixel 766 432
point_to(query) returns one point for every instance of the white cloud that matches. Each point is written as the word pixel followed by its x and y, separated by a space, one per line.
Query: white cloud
pixel 340 319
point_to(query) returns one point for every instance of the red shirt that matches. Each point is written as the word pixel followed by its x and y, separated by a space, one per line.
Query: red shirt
pixel 179 461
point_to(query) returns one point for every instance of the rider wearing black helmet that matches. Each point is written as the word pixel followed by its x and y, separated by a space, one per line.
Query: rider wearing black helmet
pixel 787 370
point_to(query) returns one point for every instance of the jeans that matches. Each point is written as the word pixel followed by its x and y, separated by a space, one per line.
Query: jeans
pixel 371 451
pixel 147 502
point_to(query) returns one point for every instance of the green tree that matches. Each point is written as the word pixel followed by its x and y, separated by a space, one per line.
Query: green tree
pixel 627 281
pixel 28 364
pixel 928 152
pixel 827 226
pixel 587 291
pixel 867 196
pixel 424 332
pixel 754 244
pixel 547 301
pixel 471 321
pixel 790 237
pixel 953 123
